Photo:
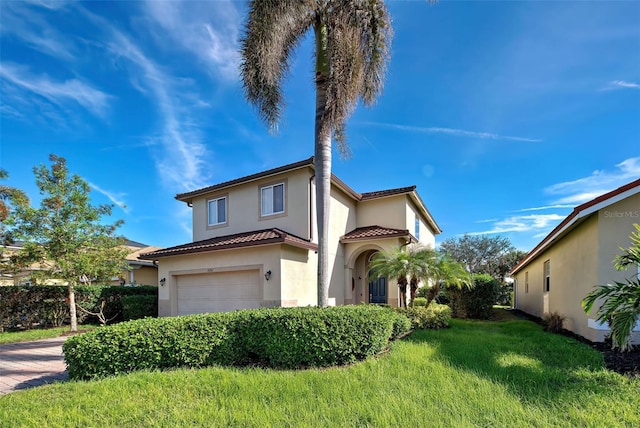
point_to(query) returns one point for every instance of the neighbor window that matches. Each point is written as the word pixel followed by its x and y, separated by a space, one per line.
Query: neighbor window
pixel 272 199
pixel 547 276
pixel 417 227
pixel 526 282
pixel 217 211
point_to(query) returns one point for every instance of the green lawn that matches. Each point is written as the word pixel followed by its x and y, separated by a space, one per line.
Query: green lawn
pixel 493 374
pixel 36 334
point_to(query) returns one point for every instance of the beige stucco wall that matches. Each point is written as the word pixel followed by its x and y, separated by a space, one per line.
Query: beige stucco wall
pixel 299 273
pixel 343 220
pixel 385 212
pixel 427 236
pixel 243 207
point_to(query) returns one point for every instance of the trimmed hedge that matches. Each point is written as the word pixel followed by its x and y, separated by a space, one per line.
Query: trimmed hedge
pixel 139 306
pixel 278 337
pixel 434 317
pixel 47 304
pixel 476 302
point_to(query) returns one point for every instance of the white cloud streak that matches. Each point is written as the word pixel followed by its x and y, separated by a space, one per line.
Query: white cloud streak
pixel 599 182
pixel 207 30
pixel 544 208
pixel 454 132
pixel 532 223
pixel 621 84
pixel 116 199
pixel 60 93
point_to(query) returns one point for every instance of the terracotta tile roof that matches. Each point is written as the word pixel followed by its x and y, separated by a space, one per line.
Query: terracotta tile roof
pixel 238 240
pixel 578 213
pixel 190 195
pixel 375 232
pixel 389 192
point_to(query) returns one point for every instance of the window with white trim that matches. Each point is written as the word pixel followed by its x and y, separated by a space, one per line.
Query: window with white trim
pixel 217 211
pixel 272 199
pixel 547 276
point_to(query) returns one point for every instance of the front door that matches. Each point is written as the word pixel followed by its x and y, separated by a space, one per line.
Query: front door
pixel 378 291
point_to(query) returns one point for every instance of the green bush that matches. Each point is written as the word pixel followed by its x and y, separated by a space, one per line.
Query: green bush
pixel 139 306
pixel 420 301
pixel 47 305
pixel 434 317
pixel 278 337
pixel 475 302
pixel 401 325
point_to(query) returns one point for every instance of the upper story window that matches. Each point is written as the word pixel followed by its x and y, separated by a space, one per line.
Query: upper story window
pixel 417 227
pixel 272 199
pixel 217 211
pixel 547 276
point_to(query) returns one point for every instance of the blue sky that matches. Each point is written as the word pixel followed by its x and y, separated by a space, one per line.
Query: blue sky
pixel 504 114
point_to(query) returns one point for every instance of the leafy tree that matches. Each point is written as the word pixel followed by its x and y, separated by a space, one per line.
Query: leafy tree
pixel 495 256
pixel 352 40
pixel 65 235
pixel 446 273
pixel 620 300
pixel 8 196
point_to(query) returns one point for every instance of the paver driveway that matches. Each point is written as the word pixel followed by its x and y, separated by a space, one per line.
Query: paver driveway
pixel 28 364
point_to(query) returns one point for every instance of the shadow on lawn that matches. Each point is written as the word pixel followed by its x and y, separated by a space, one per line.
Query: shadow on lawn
pixel 530 363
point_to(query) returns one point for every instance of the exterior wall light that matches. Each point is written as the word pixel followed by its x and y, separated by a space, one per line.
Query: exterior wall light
pixel 162 281
pixel 267 275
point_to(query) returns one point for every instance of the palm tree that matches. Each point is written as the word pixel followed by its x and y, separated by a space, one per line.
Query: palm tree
pixel 621 300
pixel 446 272
pixel 395 263
pixel 352 39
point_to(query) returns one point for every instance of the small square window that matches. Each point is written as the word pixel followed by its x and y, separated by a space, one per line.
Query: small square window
pixel 272 200
pixel 217 211
pixel 417 227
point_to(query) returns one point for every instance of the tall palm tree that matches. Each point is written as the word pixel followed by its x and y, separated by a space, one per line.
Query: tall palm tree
pixel 446 272
pixel 352 39
pixel 395 263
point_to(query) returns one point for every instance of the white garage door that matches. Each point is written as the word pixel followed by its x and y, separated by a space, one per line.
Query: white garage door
pixel 218 292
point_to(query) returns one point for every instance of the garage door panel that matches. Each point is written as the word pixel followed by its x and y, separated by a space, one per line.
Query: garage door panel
pixel 219 292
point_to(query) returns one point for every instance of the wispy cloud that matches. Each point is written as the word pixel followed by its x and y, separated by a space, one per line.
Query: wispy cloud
pixel 599 182
pixel 208 30
pixel 621 84
pixel 180 160
pixel 116 199
pixel 60 93
pixel 544 208
pixel 532 223
pixel 454 132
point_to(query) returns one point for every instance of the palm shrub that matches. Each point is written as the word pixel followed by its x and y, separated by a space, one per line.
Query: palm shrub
pixel 553 322
pixel 620 300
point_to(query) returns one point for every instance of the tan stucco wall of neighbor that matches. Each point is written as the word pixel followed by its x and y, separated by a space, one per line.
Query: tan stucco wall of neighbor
pixel 266 257
pixel 146 275
pixel 572 266
pixel 243 207
pixel 579 261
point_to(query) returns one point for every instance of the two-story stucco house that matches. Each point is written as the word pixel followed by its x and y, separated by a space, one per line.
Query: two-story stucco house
pixel 576 256
pixel 255 242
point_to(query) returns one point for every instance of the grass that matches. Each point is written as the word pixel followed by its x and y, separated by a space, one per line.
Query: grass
pixel 36 334
pixel 505 373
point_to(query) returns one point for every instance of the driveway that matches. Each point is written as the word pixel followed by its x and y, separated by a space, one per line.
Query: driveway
pixel 28 364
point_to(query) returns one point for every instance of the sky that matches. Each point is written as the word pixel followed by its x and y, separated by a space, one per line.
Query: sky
pixel 505 115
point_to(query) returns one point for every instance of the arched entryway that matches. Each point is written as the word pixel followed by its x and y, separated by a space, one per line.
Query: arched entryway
pixel 366 289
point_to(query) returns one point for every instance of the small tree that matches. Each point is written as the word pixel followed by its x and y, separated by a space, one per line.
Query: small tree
pixel 10 197
pixel 65 235
pixel 446 273
pixel 395 263
pixel 620 300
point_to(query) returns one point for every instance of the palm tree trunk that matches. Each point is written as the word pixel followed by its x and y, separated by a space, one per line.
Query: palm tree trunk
pixel 322 160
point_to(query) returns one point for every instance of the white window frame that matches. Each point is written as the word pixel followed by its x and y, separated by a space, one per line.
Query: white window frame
pixel 226 211
pixel 547 276
pixel 271 211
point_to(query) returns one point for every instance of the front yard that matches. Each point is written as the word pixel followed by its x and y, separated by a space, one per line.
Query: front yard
pixel 505 373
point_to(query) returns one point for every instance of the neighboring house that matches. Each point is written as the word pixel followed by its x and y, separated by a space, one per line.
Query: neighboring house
pixel 576 256
pixel 139 272
pixel 255 243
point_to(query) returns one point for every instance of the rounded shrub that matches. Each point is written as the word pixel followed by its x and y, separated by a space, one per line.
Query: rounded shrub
pixel 475 302
pixel 277 337
pixel 434 317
